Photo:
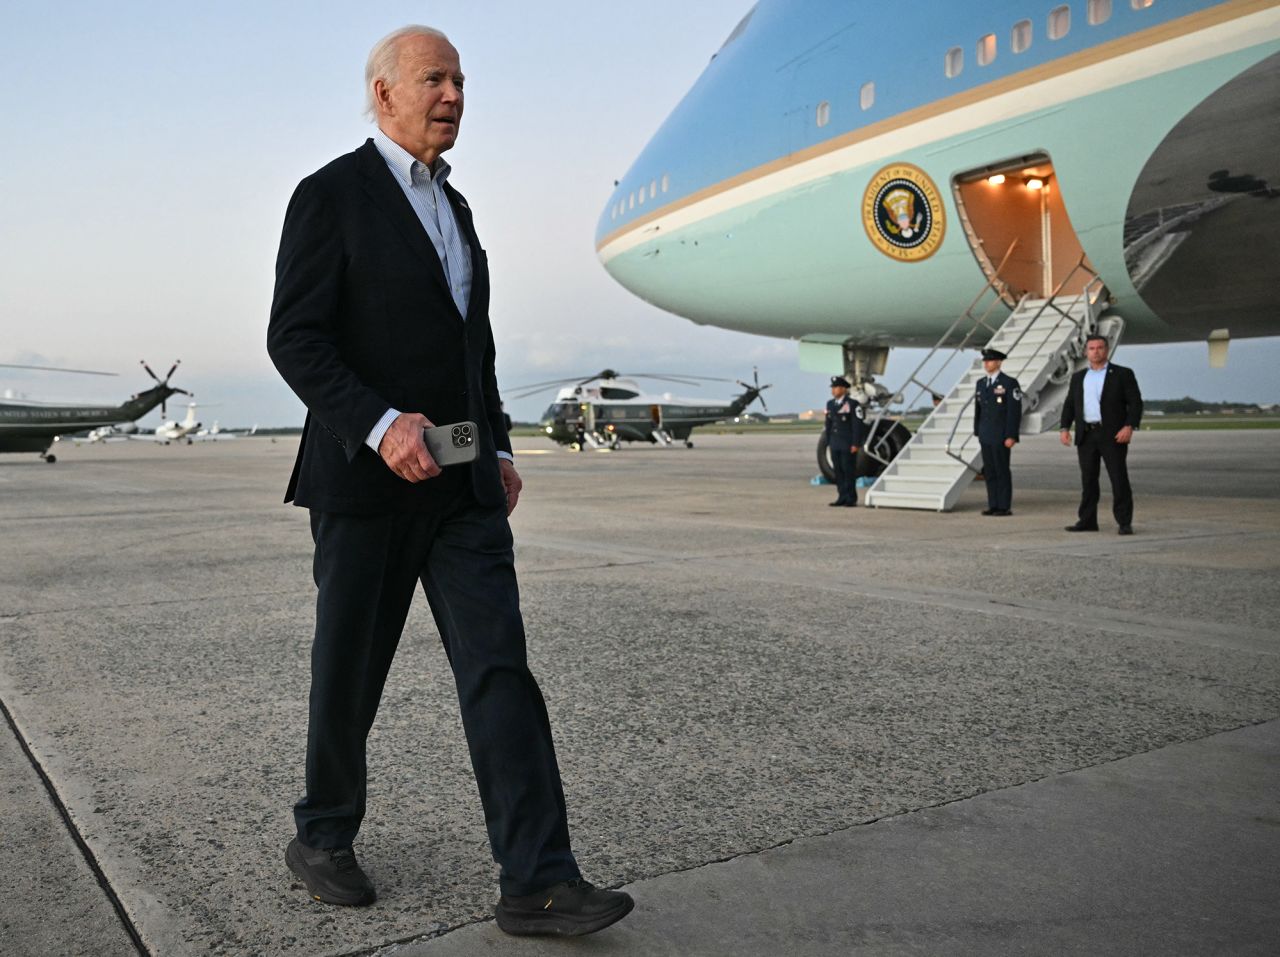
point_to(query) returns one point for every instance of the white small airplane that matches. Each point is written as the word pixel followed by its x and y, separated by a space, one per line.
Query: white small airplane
pixel 172 431
pixel 119 432
pixel 216 433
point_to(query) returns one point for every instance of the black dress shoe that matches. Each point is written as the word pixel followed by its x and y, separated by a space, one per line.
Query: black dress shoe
pixel 990 511
pixel 1077 527
pixel 331 874
pixel 570 909
pixel 1002 512
pixel 1126 529
pixel 838 503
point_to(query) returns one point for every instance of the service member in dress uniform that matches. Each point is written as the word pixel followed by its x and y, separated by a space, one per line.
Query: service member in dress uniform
pixel 846 430
pixel 997 414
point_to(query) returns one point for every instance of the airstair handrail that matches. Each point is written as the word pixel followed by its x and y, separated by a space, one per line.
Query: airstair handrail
pixel 879 448
pixel 1064 315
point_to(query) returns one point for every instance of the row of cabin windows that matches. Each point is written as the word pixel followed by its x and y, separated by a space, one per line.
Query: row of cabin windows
pixel 1097 12
pixel 1059 25
pixel 638 197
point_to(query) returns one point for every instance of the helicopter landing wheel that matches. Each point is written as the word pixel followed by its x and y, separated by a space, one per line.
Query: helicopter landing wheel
pixel 49 458
pixel 688 443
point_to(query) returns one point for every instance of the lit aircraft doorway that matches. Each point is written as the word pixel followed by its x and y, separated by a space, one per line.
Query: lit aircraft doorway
pixel 1020 200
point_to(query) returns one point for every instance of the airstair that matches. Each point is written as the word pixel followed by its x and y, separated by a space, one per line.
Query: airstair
pixel 1044 342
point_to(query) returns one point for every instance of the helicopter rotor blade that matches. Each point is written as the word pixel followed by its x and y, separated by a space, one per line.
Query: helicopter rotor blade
pixel 144 365
pixel 667 378
pixel 568 380
pixel 524 393
pixel 169 374
pixel 14 365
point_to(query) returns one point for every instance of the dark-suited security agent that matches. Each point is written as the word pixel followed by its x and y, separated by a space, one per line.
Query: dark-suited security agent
pixel 380 324
pixel 1104 406
pixel 846 430
pixel 997 416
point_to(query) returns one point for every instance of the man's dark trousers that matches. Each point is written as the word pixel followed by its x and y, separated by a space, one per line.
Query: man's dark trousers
pixel 999 479
pixel 846 481
pixel 1096 448
pixel 367 568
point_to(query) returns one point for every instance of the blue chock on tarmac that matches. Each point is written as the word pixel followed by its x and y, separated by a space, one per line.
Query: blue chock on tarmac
pixel 819 479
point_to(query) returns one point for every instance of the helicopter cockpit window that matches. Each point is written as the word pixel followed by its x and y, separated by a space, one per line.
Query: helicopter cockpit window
pixel 609 392
pixel 561 410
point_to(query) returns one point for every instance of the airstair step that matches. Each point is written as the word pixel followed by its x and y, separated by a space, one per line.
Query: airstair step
pixel 928 472
pixel 931 503
pixel 927 457
pixel 904 483
pixel 941 463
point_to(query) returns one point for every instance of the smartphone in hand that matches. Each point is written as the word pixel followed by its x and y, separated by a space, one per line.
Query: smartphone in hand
pixel 451 444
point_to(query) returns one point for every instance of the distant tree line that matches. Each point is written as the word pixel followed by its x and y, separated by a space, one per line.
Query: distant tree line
pixel 1189 406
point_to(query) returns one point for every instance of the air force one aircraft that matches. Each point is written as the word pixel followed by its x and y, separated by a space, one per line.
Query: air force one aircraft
pixel 850 175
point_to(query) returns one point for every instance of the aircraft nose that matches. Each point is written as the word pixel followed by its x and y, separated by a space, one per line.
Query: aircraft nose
pixel 693 153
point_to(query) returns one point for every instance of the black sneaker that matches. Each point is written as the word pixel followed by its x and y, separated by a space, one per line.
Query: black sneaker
pixel 330 873
pixel 570 909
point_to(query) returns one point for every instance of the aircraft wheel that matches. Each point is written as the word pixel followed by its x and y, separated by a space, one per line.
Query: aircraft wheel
pixel 51 459
pixel 688 443
pixel 824 460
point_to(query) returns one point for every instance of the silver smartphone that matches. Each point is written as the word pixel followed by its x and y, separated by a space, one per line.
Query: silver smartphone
pixel 451 444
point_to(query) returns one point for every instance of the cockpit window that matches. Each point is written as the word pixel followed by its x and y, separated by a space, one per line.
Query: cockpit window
pixel 737 31
pixel 608 392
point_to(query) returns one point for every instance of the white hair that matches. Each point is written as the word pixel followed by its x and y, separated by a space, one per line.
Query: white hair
pixel 384 61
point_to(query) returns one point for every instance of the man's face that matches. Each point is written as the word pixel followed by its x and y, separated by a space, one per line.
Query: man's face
pixel 838 391
pixel 1095 350
pixel 991 365
pixel 423 110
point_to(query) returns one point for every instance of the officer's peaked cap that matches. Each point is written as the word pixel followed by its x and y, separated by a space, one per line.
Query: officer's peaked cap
pixel 995 354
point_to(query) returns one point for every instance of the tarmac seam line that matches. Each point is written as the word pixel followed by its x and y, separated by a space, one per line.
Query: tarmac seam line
pixel 388 950
pixel 86 852
pixel 14 616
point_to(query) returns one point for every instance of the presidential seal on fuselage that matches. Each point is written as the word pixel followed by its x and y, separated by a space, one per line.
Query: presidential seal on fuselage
pixel 902 213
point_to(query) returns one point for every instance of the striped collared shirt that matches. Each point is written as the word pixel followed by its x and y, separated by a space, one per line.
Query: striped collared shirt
pixel 425 191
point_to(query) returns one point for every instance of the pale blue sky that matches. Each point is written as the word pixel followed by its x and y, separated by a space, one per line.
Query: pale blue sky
pixel 150 149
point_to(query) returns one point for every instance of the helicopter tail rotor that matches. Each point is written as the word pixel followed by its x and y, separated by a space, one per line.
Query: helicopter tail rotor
pixel 164 383
pixel 755 387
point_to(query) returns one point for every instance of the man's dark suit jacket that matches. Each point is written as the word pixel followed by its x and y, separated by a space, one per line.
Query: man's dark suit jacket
pixel 1121 402
pixel 363 321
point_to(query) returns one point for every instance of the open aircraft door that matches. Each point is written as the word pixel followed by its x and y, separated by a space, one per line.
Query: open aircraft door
pixel 1020 201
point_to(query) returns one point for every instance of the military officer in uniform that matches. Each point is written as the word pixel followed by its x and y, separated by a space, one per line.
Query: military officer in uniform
pixel 846 430
pixel 997 413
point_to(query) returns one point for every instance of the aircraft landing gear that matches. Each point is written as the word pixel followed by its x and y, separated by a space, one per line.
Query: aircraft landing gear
pixel 889 438
pixel 688 443
pixel 49 457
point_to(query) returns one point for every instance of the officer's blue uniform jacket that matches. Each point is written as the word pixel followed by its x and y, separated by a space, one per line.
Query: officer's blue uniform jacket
pixel 846 423
pixel 997 411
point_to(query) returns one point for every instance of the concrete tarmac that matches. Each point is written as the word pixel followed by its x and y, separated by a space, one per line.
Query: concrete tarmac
pixel 896 732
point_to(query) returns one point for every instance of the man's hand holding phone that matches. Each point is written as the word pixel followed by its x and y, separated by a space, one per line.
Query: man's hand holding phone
pixel 404 451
